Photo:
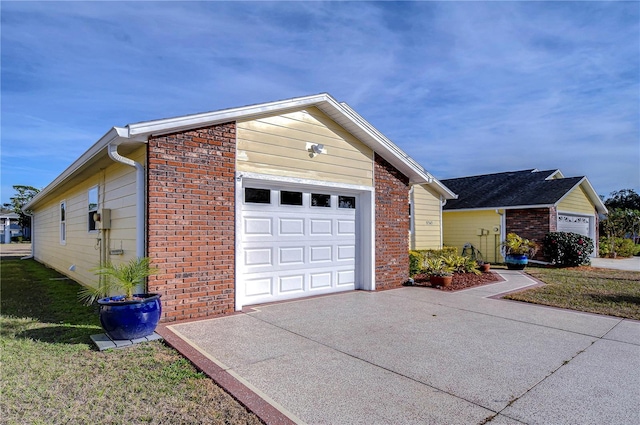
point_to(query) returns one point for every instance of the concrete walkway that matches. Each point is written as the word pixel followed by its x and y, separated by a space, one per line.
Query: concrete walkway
pixel 630 264
pixel 420 356
pixel 15 250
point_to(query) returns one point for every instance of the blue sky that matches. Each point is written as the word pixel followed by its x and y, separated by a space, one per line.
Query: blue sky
pixel 464 88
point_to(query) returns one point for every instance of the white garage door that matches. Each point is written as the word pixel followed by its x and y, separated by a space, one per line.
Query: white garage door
pixel 296 243
pixel 573 223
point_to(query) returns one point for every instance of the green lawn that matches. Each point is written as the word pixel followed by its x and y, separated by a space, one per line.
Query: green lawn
pixel 602 291
pixel 52 374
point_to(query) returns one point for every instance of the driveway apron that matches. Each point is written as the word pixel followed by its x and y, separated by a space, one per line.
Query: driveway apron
pixel 421 356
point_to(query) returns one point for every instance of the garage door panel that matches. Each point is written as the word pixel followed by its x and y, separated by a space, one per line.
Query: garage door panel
pixel 320 280
pixel 291 255
pixel 320 254
pixel 346 277
pixel 320 227
pixel 258 257
pixel 346 227
pixel 258 226
pixel 257 287
pixel 346 252
pixel 291 226
pixel 291 284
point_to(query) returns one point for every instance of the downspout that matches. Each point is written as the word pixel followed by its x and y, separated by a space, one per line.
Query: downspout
pixel 443 202
pixel 503 231
pixel 140 196
pixel 33 245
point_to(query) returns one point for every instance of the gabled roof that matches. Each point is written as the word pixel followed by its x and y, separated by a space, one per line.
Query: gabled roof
pixel 341 113
pixel 516 189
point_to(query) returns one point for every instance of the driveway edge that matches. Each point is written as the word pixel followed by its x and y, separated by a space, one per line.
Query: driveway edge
pixel 239 391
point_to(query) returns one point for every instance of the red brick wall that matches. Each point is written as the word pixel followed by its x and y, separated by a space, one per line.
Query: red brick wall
pixel 392 225
pixel 532 224
pixel 191 221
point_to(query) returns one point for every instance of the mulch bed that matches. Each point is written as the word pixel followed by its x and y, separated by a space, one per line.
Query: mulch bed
pixel 460 281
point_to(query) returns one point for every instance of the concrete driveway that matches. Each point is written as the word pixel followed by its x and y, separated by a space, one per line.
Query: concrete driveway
pixel 421 356
pixel 629 264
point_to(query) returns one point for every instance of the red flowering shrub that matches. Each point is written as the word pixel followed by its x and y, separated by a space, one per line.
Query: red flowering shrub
pixel 567 249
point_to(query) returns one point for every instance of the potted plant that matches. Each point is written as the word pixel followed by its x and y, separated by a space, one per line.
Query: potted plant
pixel 440 274
pixel 517 251
pixel 126 315
pixel 474 254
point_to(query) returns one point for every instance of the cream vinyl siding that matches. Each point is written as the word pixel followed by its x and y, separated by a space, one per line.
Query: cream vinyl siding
pixel 276 145
pixel 116 190
pixel 426 219
pixel 577 201
pixel 463 226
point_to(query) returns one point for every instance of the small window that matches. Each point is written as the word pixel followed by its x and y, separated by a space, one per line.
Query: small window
pixel 320 200
pixel 257 196
pixel 63 223
pixel 290 198
pixel 93 208
pixel 347 202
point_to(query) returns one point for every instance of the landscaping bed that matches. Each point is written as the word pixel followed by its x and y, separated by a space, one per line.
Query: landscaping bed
pixel 460 281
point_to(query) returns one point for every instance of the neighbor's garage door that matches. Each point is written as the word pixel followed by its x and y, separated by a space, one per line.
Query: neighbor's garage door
pixel 573 223
pixel 296 243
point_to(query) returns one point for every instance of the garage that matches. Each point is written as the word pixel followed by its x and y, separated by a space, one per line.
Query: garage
pixel 575 224
pixel 296 241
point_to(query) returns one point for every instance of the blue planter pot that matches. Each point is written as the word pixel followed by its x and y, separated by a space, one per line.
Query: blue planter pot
pixel 130 319
pixel 516 262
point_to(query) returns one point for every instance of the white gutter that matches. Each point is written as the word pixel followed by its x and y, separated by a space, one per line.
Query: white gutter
pixel 112 149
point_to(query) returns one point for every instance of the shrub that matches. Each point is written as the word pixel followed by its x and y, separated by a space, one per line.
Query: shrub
pixel 417 258
pixel 567 249
pixel 621 247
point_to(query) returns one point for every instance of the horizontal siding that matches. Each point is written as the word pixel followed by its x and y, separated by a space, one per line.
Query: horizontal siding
pixel 577 201
pixel 426 219
pixel 462 227
pixel 276 145
pixel 117 192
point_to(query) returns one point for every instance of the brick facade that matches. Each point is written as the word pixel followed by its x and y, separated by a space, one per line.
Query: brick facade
pixel 392 225
pixel 532 224
pixel 191 221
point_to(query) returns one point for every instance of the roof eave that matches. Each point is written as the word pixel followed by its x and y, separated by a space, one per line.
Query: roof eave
pixel 114 135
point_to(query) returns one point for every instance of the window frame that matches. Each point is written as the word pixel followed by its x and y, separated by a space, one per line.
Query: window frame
pixel 62 216
pixel 91 211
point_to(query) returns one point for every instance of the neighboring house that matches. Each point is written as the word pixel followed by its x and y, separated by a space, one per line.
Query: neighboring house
pixel 240 206
pixel 530 203
pixel 9 226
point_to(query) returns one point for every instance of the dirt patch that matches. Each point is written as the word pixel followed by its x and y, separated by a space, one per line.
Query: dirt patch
pixel 460 281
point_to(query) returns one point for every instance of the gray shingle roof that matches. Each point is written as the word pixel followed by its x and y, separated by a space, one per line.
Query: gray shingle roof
pixel 509 189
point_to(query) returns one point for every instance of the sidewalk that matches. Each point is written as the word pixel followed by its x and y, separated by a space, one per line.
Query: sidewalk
pixel 15 250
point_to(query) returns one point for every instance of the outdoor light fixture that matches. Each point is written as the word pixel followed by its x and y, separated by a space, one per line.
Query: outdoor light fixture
pixel 315 149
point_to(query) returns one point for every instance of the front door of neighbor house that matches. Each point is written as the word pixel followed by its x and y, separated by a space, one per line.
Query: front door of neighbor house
pixel 296 242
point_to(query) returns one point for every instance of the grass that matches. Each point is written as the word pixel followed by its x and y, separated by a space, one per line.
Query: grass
pixel 52 374
pixel 601 291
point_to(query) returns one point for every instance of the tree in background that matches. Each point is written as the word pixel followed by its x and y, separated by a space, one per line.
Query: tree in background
pixel 23 195
pixel 625 199
pixel 622 221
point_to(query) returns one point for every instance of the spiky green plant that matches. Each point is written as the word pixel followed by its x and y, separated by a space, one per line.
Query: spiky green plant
pixel 517 245
pixel 118 278
pixel 437 267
